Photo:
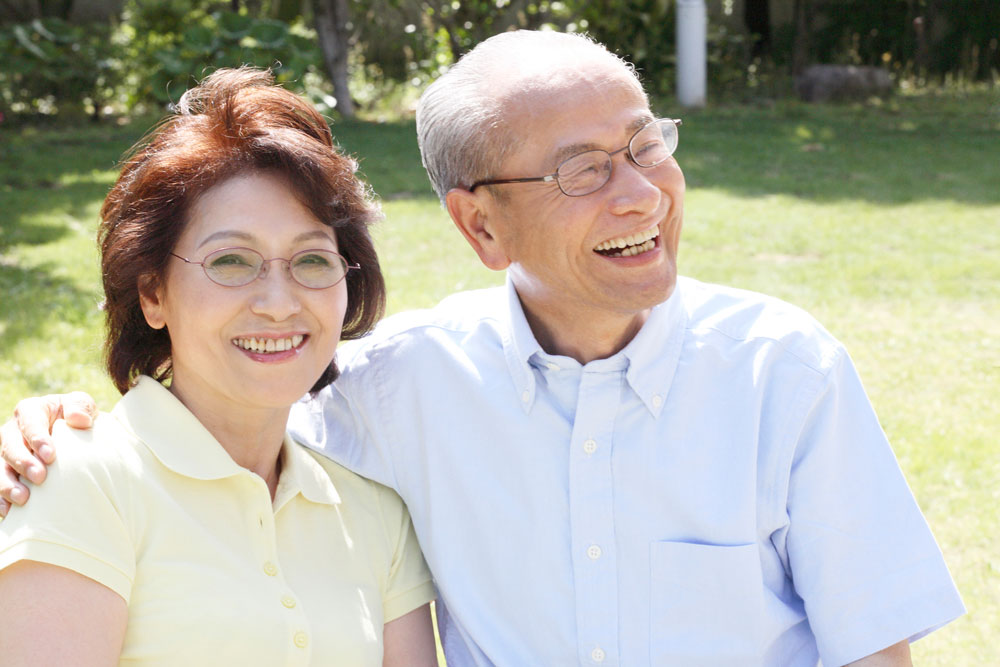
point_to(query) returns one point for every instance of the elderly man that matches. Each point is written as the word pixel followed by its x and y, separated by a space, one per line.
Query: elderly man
pixel 605 464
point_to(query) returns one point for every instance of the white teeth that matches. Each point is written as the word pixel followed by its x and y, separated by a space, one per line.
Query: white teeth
pixel 635 249
pixel 269 344
pixel 638 240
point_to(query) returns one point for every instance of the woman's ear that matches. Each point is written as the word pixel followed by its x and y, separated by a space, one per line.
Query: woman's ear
pixel 151 301
pixel 470 213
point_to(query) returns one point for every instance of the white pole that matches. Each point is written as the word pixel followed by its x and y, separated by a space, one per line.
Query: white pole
pixel 691 52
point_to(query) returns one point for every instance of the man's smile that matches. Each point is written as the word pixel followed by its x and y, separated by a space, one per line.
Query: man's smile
pixel 633 244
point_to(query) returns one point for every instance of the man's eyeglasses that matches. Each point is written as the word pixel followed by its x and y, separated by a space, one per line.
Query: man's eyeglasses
pixel 587 172
pixel 235 267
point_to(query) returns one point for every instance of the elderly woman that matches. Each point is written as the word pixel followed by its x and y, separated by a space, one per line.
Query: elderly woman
pixel 235 255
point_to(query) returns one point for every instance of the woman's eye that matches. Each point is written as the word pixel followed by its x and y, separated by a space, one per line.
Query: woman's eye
pixel 231 259
pixel 313 260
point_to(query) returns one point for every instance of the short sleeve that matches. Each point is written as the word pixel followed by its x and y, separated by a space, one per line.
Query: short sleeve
pixel 861 554
pixel 408 584
pixel 75 519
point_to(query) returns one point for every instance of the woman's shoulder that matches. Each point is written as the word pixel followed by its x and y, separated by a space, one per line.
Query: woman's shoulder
pixel 108 446
pixel 361 494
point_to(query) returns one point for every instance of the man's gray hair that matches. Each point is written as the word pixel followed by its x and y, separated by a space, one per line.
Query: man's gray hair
pixel 462 130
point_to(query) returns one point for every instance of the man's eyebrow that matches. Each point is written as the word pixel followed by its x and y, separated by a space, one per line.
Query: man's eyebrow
pixel 569 151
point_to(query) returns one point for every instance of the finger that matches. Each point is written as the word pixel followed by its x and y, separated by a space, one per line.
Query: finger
pixel 17 454
pixel 35 417
pixel 11 489
pixel 78 409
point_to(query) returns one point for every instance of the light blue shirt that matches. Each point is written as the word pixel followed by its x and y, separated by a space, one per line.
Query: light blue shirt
pixel 717 493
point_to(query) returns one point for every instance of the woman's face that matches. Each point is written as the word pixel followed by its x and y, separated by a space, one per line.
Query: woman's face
pixel 211 326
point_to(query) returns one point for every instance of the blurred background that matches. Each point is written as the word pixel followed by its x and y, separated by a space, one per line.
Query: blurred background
pixel 109 58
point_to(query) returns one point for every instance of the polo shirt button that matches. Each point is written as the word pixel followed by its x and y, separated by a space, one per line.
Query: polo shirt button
pixel 598 655
pixel 288 601
pixel 590 446
pixel 301 639
pixel 270 569
pixel 594 552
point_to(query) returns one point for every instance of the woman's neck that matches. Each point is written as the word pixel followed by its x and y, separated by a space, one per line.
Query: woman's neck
pixel 252 436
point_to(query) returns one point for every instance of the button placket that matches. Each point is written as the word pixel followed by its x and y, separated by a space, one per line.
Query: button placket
pixel 592 515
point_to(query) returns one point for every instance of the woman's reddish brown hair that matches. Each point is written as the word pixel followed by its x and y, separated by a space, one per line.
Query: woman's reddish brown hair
pixel 236 121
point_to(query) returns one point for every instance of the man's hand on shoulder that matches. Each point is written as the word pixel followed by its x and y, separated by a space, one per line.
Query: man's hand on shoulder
pixel 26 440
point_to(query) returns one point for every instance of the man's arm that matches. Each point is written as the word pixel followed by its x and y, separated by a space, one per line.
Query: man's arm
pixel 26 440
pixel 897 655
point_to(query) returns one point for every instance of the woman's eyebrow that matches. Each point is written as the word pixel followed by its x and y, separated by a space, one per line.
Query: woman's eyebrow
pixel 244 236
pixel 226 233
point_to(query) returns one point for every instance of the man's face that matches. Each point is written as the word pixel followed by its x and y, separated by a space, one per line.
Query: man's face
pixel 556 244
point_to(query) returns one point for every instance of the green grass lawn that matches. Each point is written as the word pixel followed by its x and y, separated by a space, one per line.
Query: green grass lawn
pixel 883 221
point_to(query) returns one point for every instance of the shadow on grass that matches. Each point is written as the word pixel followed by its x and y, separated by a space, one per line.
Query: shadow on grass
pixel 832 153
pixel 33 297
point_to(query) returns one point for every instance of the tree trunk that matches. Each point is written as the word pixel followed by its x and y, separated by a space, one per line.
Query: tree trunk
pixel 331 27
pixel 757 19
pixel 803 28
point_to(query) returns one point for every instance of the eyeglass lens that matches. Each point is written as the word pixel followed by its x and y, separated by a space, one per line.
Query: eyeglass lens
pixel 234 267
pixel 589 171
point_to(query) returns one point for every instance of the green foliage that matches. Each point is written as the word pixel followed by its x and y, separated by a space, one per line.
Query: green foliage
pixel 173 45
pixel 961 37
pixel 51 67
pixel 641 31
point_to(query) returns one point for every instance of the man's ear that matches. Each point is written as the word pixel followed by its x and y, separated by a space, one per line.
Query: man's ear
pixel 151 302
pixel 469 212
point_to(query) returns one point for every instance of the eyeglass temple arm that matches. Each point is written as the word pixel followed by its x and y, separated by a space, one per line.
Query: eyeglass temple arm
pixel 498 181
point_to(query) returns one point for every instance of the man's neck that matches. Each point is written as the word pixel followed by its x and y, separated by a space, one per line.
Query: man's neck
pixel 596 335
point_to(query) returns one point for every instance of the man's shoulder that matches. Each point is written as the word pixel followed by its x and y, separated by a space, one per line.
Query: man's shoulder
pixel 456 316
pixel 747 317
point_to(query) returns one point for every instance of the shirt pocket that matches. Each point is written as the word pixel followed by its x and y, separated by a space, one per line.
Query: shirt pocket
pixel 706 603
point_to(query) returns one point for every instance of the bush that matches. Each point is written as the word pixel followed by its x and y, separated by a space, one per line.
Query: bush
pixel 51 67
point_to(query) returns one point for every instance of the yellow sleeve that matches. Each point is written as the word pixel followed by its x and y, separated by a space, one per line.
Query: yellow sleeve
pixel 409 581
pixel 77 519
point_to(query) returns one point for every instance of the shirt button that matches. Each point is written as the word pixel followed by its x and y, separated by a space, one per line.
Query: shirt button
pixel 288 601
pixel 525 397
pixel 301 639
pixel 270 569
pixel 590 446
pixel 594 552
pixel 598 655
pixel 657 401
pixel 552 367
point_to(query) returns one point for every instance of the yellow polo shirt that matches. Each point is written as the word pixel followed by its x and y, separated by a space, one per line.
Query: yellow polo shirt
pixel 149 504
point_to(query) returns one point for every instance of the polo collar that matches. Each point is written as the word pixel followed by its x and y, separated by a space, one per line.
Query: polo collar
pixel 181 443
pixel 650 359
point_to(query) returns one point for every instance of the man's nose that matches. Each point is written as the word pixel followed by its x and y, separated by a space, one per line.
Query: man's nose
pixel 632 188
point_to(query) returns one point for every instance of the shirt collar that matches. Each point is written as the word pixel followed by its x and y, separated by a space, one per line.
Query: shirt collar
pixel 181 443
pixel 651 357
pixel 519 343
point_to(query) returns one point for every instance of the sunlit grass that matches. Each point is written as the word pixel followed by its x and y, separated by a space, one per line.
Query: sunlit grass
pixel 884 222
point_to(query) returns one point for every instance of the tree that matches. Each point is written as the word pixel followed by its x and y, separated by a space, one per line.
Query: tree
pixel 331 19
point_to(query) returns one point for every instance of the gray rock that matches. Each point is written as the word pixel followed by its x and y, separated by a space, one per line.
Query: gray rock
pixel 825 83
